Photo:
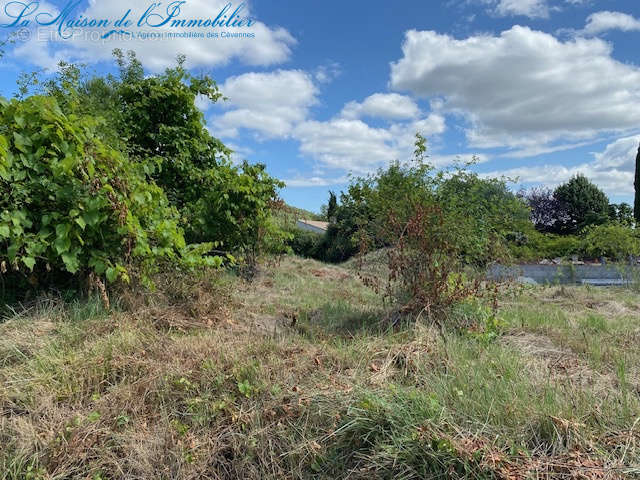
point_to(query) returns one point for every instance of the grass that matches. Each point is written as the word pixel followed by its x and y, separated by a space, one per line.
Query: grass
pixel 296 375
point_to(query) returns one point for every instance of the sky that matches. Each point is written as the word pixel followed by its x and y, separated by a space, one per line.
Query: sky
pixel 536 90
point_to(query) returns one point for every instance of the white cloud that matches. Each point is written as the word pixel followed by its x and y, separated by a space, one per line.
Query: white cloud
pixel 528 8
pixel 315 181
pixel 523 88
pixel 440 161
pixel 269 47
pixel 382 105
pixel 269 103
pixel 328 72
pixel 603 21
pixel 353 145
pixel 346 144
pixel 612 169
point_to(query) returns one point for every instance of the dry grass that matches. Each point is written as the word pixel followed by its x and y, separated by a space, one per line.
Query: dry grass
pixel 294 376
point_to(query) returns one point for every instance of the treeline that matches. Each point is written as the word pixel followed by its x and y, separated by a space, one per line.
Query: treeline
pixel 478 216
pixel 577 219
pixel 485 220
pixel 107 177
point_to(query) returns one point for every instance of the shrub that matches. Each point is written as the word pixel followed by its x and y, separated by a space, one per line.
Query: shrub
pixel 237 209
pixel 419 216
pixel 71 204
pixel 306 244
pixel 614 241
pixel 546 245
pixel 482 214
pixel 155 118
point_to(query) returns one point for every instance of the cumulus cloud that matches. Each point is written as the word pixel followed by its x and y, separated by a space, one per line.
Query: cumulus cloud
pixel 269 47
pixel 523 88
pixel 355 146
pixel 604 21
pixel 528 8
pixel 612 169
pixel 268 103
pixel 382 105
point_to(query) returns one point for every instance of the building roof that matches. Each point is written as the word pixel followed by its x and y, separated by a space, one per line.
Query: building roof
pixel 316 224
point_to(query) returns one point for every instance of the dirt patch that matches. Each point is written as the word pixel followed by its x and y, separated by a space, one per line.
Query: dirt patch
pixel 548 360
pixel 269 325
pixel 332 274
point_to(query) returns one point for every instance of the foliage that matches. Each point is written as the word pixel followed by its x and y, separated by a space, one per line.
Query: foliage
pixel 332 207
pixel 546 245
pixel 423 219
pixel 425 269
pixel 572 207
pixel 621 213
pixel 159 119
pixel 72 204
pixel 614 241
pixel 482 215
pixel 237 207
pixel 548 214
pixel 306 244
pixel 636 184
pixel 155 120
pixel 586 204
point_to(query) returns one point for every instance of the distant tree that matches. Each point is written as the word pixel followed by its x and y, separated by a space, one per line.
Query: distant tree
pixel 586 204
pixel 622 214
pixel 636 204
pixel 332 207
pixel 547 213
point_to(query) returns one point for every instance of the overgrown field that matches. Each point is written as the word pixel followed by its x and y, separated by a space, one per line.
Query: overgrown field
pixel 296 375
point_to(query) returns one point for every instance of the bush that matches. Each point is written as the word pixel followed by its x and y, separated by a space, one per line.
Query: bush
pixel 546 245
pixel 237 210
pixel 71 204
pixel 306 244
pixel 614 241
pixel 423 218
pixel 482 214
pixel 156 120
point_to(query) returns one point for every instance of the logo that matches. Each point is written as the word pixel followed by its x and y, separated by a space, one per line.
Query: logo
pixel 155 20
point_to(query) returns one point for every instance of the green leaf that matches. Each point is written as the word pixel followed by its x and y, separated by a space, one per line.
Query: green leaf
pixel 4 231
pixel 12 251
pixel 80 221
pixel 21 142
pixel 62 244
pixel 30 262
pixel 71 261
pixel 91 218
pixel 98 265
pixel 112 274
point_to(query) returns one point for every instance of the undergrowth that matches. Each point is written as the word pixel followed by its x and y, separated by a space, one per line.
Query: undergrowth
pixel 295 376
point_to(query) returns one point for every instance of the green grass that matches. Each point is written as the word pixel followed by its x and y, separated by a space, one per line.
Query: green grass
pixel 297 375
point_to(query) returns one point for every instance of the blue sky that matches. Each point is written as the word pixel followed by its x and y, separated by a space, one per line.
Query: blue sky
pixel 537 89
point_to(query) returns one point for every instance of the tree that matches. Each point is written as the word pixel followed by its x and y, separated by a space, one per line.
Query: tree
pixel 586 204
pixel 636 204
pixel 332 207
pixel 622 214
pixel 71 204
pixel 547 213
pixel 155 121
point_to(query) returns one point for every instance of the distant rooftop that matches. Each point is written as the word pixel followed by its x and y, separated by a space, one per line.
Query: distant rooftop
pixel 313 225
